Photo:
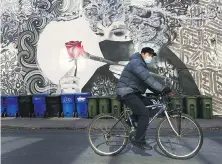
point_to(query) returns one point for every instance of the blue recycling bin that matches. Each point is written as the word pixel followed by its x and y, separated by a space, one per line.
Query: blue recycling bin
pixel 11 106
pixel 81 104
pixel 68 105
pixel 39 105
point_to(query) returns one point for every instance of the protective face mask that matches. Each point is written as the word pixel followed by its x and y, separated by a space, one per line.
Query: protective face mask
pixel 148 59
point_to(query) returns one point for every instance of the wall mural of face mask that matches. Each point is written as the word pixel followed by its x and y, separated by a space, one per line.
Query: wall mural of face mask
pixel 117 50
pixel 152 33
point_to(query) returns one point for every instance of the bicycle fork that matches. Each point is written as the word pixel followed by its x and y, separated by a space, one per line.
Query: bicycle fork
pixel 168 118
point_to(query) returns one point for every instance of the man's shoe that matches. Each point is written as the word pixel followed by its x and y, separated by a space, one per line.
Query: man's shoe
pixel 147 146
pixel 138 144
pixel 141 144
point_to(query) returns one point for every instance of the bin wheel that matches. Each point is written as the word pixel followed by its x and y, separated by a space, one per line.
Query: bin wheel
pixel 58 114
pixel 2 115
pixel 33 115
pixel 5 114
pixel 17 114
pixel 76 114
pixel 87 115
pixel 62 114
pixel 73 114
pixel 45 114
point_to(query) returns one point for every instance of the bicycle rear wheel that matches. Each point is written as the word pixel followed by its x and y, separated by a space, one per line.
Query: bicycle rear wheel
pixel 183 146
pixel 106 135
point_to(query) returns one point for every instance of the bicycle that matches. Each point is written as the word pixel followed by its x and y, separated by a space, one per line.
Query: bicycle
pixel 112 127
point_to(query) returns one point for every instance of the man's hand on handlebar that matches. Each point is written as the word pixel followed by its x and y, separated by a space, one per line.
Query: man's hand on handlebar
pixel 166 90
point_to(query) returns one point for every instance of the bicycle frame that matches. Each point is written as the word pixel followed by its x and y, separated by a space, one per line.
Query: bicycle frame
pixel 162 108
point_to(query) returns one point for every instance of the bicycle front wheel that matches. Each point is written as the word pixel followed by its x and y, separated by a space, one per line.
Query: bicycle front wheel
pixel 180 140
pixel 107 135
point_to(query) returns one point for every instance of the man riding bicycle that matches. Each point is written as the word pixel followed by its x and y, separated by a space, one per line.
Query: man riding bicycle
pixel 134 81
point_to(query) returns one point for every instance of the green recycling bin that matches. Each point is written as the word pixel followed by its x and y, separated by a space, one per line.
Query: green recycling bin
pixel 174 103
pixel 104 104
pixel 205 107
pixel 92 106
pixel 191 106
pixel 115 106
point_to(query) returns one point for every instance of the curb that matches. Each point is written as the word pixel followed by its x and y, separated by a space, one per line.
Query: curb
pixel 13 127
pixel 39 128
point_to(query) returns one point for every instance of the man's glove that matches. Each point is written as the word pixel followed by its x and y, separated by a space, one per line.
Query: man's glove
pixel 166 90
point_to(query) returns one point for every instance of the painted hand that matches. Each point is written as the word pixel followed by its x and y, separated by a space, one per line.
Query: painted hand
pixel 118 69
pixel 69 84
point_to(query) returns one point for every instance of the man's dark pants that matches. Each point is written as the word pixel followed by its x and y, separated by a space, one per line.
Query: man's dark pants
pixel 137 103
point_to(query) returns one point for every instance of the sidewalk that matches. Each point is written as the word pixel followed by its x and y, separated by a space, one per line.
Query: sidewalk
pixel 80 123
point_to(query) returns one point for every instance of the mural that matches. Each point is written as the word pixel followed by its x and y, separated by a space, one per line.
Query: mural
pixel 186 34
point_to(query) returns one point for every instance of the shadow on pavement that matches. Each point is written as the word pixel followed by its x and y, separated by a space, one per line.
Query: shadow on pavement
pixel 55 147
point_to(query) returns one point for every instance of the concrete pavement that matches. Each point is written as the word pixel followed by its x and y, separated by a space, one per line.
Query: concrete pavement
pixel 50 146
pixel 80 123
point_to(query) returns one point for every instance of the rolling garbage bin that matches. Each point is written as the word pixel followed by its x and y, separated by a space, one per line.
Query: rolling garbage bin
pixel 92 106
pixel 53 106
pixel 81 104
pixel 68 105
pixel 39 105
pixel 11 106
pixel 191 106
pixel 115 106
pixel 104 104
pixel 205 107
pixel 25 105
pixel 3 113
pixel 174 103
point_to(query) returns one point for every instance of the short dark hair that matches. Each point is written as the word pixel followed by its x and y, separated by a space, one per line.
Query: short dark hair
pixel 148 50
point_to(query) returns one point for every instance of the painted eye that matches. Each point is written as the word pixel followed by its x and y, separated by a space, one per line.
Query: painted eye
pixel 119 33
pixel 100 33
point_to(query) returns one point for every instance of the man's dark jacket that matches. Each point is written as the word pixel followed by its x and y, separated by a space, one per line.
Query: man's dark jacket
pixel 136 78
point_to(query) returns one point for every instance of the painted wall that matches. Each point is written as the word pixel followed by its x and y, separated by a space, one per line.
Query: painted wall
pixel 186 34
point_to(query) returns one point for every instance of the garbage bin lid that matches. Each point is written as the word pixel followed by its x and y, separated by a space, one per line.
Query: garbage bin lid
pixel 191 96
pixel 204 96
pixel 40 94
pixel 53 95
pixel 113 97
pixel 104 97
pixel 83 94
pixel 92 97
pixel 25 96
pixel 67 94
pixel 11 96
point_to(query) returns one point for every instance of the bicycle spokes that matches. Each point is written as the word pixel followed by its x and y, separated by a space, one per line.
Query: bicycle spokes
pixel 179 136
pixel 107 135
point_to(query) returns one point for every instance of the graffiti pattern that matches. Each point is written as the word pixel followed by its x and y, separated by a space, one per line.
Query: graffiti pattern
pixel 11 79
pixel 198 45
pixel 190 28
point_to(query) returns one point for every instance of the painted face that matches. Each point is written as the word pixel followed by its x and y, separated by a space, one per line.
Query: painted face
pixel 117 31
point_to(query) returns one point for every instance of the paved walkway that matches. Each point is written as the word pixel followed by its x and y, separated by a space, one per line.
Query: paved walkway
pixel 80 123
